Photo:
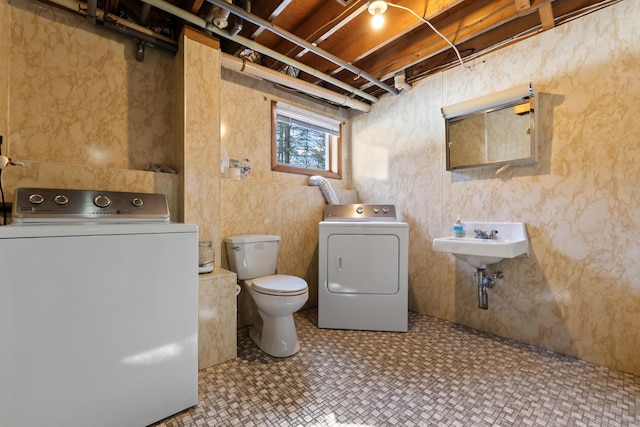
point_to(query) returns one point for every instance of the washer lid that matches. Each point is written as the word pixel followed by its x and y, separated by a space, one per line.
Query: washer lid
pixel 280 284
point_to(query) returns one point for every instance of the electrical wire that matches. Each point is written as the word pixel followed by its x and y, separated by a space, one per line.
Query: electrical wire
pixel 434 30
pixel 568 17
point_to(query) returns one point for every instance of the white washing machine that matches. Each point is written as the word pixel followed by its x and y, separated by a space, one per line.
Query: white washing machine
pixel 98 310
pixel 363 269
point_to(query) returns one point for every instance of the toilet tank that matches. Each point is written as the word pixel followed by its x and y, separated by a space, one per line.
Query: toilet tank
pixel 252 255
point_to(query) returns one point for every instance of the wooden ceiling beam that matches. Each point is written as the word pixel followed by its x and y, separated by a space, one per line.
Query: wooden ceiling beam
pixel 192 6
pixel 416 49
pixel 468 21
pixel 522 5
pixel 290 19
pixel 476 18
pixel 358 38
pixel 491 38
pixel 262 8
pixel 477 44
pixel 458 29
pixel 473 25
pixel 326 20
pixel 273 15
pixel 546 16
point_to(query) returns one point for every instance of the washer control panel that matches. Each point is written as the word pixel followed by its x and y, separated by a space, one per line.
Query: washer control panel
pixel 50 205
pixel 359 212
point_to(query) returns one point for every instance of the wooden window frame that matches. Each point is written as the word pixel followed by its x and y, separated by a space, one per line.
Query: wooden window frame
pixel 334 156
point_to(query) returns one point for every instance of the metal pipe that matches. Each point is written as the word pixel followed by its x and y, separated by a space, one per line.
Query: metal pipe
pixel 483 297
pixel 400 81
pixel 301 42
pixel 236 64
pixel 237 26
pixel 200 22
pixel 140 52
pixel 92 7
pixel 238 22
pixel 220 17
pixel 141 37
pixel 76 6
pixel 144 14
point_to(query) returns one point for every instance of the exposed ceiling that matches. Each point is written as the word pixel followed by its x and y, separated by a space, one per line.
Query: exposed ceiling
pixel 335 38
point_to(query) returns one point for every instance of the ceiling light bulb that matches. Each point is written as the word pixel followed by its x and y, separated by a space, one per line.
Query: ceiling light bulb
pixel 377 22
pixel 377 7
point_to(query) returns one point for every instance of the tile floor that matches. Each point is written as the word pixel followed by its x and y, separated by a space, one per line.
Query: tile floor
pixel 437 374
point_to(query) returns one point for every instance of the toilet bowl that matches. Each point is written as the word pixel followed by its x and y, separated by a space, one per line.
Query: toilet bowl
pixel 276 296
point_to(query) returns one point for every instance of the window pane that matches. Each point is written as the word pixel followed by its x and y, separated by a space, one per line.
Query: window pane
pixel 301 147
pixel 305 142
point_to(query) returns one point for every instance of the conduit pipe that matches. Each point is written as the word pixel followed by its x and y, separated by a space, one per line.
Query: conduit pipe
pixel 400 81
pixel 144 14
pixel 301 42
pixel 135 31
pixel 238 22
pixel 233 63
pixel 200 22
pixel 218 16
pixel 92 7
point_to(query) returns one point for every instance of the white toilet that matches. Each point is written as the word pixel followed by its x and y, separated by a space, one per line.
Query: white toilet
pixel 253 258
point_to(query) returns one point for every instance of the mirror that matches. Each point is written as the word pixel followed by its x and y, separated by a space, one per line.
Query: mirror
pixel 492 131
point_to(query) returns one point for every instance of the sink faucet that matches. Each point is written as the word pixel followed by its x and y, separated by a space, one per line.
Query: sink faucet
pixel 480 234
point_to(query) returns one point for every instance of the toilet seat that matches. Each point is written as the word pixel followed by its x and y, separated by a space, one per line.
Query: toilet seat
pixel 280 285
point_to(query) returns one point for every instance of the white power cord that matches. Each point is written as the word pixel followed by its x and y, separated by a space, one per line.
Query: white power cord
pixel 434 30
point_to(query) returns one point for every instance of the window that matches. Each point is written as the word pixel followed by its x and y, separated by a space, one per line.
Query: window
pixel 305 142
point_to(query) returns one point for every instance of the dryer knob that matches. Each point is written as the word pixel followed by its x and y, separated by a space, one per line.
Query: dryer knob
pixel 61 199
pixel 385 210
pixel 102 201
pixel 359 209
pixel 137 202
pixel 36 198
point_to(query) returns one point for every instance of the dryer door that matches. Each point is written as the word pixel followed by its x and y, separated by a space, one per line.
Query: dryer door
pixel 363 264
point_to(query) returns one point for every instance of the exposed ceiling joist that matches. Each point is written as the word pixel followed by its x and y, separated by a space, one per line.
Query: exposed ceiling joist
pixel 423 42
pixel 340 49
pixel 546 16
pixel 301 42
pixel 522 5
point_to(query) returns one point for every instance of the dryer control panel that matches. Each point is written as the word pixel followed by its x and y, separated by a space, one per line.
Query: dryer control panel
pixel 360 212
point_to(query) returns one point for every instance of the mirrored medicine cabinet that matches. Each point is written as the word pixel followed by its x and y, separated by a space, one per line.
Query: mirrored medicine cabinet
pixel 493 130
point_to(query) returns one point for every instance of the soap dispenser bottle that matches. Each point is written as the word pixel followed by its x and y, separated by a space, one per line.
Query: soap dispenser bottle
pixel 458 228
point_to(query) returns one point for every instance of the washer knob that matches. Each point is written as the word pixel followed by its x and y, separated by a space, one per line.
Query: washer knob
pixel 359 209
pixel 376 210
pixel 137 202
pixel 385 210
pixel 61 199
pixel 102 201
pixel 36 198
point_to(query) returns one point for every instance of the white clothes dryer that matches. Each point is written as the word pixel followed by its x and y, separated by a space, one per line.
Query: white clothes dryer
pixel 363 269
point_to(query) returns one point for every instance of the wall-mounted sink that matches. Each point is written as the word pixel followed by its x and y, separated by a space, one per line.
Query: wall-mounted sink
pixel 511 241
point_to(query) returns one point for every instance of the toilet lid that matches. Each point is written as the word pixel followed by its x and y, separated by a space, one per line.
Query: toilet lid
pixel 279 284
